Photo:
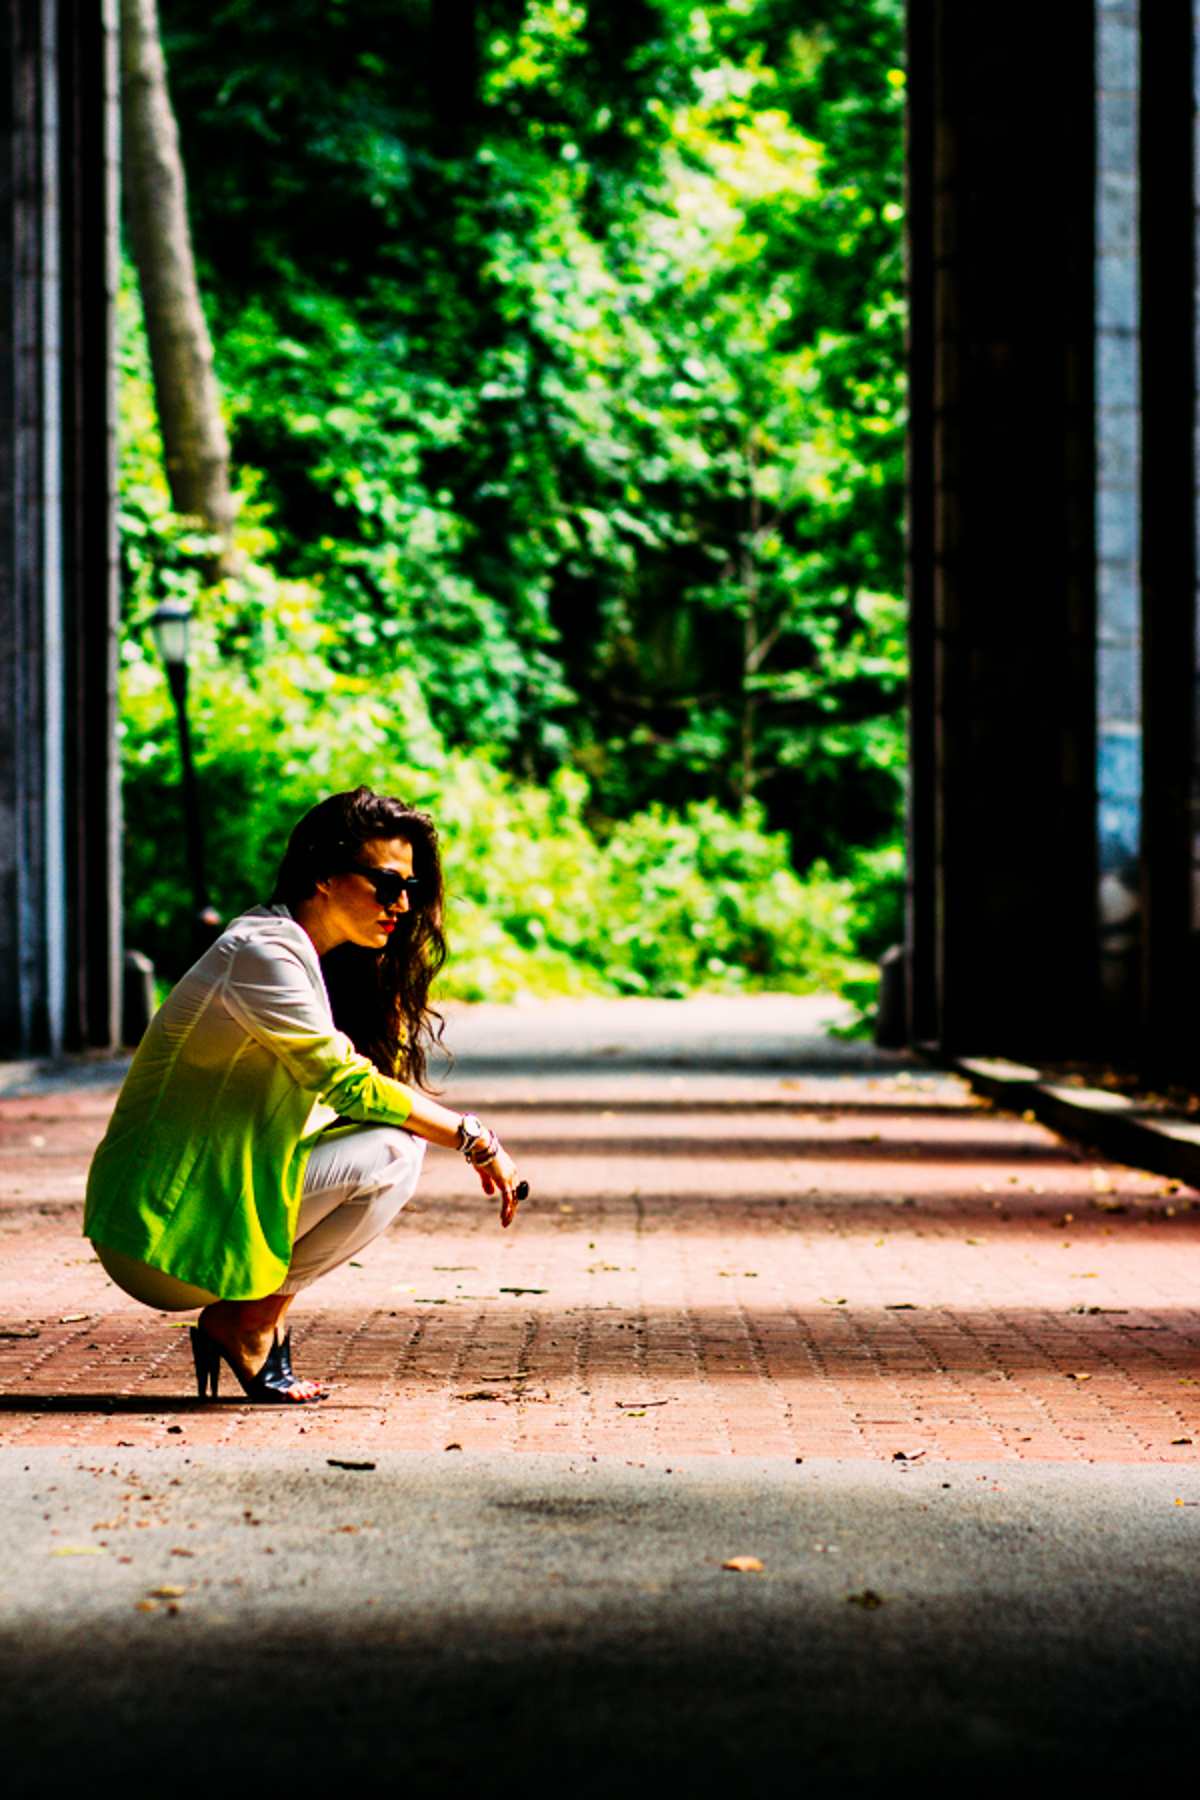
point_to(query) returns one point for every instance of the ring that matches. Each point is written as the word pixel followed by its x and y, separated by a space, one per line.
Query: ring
pixel 521 1191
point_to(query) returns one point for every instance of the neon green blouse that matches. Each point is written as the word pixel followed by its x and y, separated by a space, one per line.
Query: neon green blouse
pixel 200 1171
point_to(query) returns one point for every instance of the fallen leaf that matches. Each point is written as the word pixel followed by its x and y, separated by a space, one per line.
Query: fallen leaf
pixel 524 1290
pixel 167 1592
pixel 1079 1377
pixel 147 1606
pixel 826 1301
pixel 335 1462
pixel 454 1446
pixel 74 1318
pixel 1181 1440
pixel 79 1550
pixel 17 1331
pixel 642 1403
pixel 743 1565
pixel 868 1599
pixel 902 1306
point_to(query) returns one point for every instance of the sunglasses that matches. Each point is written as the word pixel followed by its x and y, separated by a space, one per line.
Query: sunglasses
pixel 387 884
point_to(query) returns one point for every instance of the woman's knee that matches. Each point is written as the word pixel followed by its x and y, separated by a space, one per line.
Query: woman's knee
pixel 362 1162
pixel 390 1159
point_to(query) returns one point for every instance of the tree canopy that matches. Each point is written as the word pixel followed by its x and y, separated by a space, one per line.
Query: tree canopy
pixel 562 348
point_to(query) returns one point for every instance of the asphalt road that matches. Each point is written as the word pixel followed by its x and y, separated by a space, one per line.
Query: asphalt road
pixel 446 1624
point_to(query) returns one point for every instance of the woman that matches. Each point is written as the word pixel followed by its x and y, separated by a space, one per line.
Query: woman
pixel 211 1188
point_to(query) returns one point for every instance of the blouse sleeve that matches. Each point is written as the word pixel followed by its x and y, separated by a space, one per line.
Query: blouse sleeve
pixel 271 994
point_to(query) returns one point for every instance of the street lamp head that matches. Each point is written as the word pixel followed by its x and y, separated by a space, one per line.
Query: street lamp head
pixel 170 624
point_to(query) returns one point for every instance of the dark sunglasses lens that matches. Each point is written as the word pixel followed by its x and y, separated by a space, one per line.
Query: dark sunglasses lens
pixel 389 887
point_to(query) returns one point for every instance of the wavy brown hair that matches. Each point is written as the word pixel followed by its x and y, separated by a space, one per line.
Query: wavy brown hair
pixel 380 998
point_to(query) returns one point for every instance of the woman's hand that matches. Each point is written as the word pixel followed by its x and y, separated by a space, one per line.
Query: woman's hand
pixel 499 1175
pixel 463 1131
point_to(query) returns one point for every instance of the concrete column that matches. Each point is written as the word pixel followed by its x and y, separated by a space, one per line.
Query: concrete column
pixel 1167 299
pixel 58 925
pixel 1118 523
pixel 1002 458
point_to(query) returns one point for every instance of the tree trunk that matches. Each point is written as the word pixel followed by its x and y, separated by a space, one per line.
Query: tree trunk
pixel 753 648
pixel 195 442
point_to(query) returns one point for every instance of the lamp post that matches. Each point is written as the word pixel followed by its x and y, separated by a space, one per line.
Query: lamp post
pixel 171 624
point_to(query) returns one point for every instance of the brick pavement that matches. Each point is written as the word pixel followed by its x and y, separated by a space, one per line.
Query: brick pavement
pixel 856 1267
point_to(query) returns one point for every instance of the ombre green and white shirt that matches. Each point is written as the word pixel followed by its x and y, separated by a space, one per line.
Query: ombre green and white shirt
pixel 200 1171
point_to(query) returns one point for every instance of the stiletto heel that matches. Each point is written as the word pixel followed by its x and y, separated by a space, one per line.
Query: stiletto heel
pixel 206 1354
pixel 274 1385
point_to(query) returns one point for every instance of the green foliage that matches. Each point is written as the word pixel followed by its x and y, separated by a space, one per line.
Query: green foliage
pixel 571 366
pixel 537 904
pixel 564 374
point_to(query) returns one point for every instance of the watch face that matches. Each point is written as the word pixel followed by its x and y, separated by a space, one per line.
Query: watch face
pixel 472 1127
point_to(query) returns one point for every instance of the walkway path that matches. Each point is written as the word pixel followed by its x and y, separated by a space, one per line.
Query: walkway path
pixel 722 1255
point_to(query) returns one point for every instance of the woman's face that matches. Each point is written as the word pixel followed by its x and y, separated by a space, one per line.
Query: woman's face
pixel 351 914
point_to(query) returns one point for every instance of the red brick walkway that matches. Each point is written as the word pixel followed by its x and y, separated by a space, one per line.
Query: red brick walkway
pixel 853 1269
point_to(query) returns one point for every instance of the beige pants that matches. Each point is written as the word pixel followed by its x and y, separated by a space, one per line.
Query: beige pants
pixel 355 1184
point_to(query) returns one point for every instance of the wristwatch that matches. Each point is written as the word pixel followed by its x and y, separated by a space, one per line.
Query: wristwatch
pixel 477 1141
pixel 471 1131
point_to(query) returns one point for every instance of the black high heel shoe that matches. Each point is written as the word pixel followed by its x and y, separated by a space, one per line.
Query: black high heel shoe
pixel 274 1384
pixel 284 1350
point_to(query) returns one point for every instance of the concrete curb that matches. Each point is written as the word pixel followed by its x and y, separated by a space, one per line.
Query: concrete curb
pixel 1130 1132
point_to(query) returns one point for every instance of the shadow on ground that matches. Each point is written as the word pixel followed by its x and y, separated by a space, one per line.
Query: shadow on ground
pixel 441 1627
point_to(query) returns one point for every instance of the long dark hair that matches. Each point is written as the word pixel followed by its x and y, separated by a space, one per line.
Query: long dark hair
pixel 380 998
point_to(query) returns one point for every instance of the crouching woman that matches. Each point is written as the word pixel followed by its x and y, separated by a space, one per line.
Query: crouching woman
pixel 211 1188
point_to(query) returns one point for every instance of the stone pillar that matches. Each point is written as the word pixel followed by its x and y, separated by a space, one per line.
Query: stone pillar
pixel 1118 525
pixel 59 870
pixel 1002 573
pixel 1167 229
